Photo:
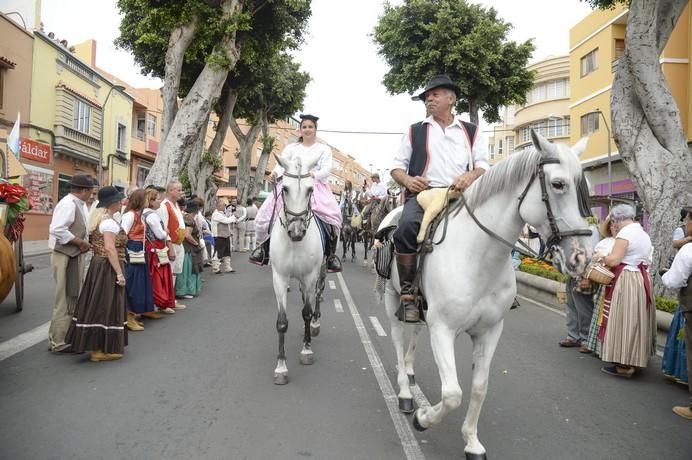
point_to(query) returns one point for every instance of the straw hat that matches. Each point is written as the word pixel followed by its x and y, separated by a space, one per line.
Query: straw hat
pixel 604 228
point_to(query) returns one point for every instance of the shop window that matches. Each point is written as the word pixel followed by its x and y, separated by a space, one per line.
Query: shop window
pixel 39 182
pixel 63 185
pixel 82 115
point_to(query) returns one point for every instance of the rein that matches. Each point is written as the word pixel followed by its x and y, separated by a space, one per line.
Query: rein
pixel 555 234
pixel 306 213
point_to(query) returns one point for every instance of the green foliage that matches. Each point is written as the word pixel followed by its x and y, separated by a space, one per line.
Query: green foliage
pixel 666 304
pixel 421 38
pixel 606 4
pixel 185 181
pixel 214 161
pixel 262 27
pixel 543 273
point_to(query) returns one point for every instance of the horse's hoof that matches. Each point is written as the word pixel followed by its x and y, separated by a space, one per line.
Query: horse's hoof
pixel 406 405
pixel 416 423
pixel 411 379
pixel 280 378
pixel 470 456
pixel 307 358
pixel 314 330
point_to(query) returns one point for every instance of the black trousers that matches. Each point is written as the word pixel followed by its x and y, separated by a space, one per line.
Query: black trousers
pixel 223 246
pixel 688 345
pixel 409 224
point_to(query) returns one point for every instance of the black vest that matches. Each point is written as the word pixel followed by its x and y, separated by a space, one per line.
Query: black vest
pixel 418 135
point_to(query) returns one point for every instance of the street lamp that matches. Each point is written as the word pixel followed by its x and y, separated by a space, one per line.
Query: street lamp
pixel 103 123
pixel 610 172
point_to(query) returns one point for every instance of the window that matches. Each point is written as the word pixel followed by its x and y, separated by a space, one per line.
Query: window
pixel 233 181
pixel 589 123
pixel 121 139
pixel 39 182
pixel 589 63
pixel 499 147
pixel 558 127
pixel 82 114
pixel 509 144
pixel 526 134
pixel 142 174
pixel 141 122
pixel 2 85
pixel 63 185
pixel 619 48
pixel 491 151
pixel 151 125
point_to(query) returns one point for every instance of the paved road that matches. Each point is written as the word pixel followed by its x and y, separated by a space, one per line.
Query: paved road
pixel 199 385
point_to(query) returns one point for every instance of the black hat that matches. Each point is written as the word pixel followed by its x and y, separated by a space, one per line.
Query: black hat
pixel 82 181
pixel 154 187
pixel 307 116
pixel 684 211
pixel 109 195
pixel 191 207
pixel 436 82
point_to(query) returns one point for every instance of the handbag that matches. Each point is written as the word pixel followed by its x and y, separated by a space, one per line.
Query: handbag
pixel 162 254
pixel 137 257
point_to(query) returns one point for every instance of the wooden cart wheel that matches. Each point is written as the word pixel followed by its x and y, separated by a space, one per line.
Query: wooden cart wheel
pixel 22 269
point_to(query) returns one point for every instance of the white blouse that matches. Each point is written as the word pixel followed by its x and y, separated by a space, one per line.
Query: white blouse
pixel 322 169
pixel 638 248
pixel 109 225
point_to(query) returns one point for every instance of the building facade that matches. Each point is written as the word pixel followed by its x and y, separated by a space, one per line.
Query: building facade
pixel 596 44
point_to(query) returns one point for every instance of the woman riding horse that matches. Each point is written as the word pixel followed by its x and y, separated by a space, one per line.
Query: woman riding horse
pixel 322 203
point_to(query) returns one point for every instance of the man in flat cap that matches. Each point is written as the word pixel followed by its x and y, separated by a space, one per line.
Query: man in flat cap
pixel 69 242
pixel 440 151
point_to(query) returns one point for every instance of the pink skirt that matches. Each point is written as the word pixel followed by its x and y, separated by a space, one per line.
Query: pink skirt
pixel 323 204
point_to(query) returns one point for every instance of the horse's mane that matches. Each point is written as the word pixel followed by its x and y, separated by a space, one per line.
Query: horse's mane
pixel 517 168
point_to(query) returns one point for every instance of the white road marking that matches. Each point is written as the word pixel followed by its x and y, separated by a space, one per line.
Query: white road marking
pixel 401 424
pixel 332 285
pixel 377 326
pixel 23 341
pixel 337 306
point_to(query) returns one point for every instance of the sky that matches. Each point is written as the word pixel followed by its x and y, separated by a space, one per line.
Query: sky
pixel 346 90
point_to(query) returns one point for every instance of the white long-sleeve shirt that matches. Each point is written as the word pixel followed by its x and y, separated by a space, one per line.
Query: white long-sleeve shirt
pixel 377 190
pixel 449 152
pixel 63 217
pixel 323 168
pixel 680 271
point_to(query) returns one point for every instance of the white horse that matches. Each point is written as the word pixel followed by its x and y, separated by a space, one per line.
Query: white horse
pixel 296 252
pixel 468 280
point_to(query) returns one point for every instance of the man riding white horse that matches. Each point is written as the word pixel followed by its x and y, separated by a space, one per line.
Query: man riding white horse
pixel 440 151
pixel 322 202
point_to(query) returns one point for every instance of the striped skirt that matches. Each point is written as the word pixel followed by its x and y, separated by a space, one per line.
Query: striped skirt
pixel 630 333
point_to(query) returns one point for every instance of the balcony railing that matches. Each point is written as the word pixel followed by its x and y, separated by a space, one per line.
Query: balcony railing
pixel 80 137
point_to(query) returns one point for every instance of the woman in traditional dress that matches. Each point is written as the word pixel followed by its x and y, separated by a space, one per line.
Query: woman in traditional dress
pixel 98 323
pixel 189 283
pixel 158 264
pixel 629 314
pixel 140 298
pixel 323 204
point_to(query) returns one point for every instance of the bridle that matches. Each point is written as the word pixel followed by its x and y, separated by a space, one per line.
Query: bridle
pixel 556 235
pixel 290 216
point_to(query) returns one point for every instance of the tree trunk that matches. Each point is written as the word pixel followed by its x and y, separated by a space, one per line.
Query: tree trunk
pixel 195 163
pixel 473 111
pixel 180 40
pixel 268 143
pixel 192 114
pixel 646 123
pixel 246 142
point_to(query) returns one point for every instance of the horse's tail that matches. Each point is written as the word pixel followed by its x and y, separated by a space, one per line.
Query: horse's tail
pixel 379 288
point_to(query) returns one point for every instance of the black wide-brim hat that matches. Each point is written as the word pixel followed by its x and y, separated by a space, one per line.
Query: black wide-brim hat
pixel 438 81
pixel 109 195
pixel 82 181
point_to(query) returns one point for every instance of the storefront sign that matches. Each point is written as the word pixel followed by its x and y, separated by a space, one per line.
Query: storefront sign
pixel 35 151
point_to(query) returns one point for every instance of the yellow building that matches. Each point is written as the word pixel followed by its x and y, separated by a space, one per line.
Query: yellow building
pixel 596 44
pixel 546 111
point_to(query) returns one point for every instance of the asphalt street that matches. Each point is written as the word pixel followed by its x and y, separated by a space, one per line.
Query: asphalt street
pixel 198 385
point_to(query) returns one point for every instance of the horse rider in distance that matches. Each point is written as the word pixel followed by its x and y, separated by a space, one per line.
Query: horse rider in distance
pixel 373 195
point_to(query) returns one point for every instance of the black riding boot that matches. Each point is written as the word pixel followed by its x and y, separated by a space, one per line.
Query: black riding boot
pixel 406 265
pixel 333 261
pixel 260 256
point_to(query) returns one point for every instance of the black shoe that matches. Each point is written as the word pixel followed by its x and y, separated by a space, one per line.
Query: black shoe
pixel 333 264
pixel 259 256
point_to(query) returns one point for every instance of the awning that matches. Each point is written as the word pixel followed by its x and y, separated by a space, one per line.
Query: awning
pixel 14 167
pixel 227 192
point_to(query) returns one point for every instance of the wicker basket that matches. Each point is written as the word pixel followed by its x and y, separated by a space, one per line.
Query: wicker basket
pixel 599 274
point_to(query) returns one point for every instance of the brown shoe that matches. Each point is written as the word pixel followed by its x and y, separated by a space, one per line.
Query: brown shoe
pixel 683 411
pixel 98 356
pixel 152 315
pixel 132 323
pixel 568 343
pixel 584 349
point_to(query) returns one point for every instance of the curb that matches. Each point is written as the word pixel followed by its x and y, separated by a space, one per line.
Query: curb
pixel 41 252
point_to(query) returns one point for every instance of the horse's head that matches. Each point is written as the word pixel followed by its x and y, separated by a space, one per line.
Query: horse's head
pixel 297 187
pixel 556 202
